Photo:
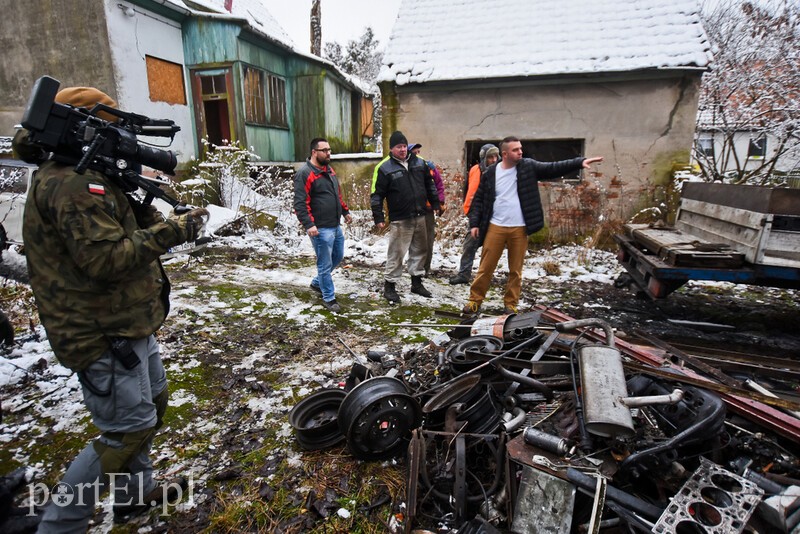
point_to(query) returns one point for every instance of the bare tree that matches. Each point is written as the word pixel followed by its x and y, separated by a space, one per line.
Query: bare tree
pixel 751 94
pixel 361 58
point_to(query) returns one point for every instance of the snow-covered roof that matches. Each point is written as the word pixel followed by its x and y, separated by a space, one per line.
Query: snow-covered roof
pixel 253 11
pixel 259 19
pixel 441 40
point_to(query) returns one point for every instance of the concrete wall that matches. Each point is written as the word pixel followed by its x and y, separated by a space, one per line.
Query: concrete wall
pixel 65 39
pixel 132 38
pixel 641 126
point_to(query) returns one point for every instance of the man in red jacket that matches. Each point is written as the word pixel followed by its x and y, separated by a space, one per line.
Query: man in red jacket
pixel 505 210
pixel 319 207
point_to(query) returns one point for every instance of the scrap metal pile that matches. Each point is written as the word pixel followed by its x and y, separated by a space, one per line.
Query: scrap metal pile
pixel 539 423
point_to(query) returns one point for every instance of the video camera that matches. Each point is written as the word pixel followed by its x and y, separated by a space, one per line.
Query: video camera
pixel 79 137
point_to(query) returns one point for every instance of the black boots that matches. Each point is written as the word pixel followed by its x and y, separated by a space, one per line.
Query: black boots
pixel 418 288
pixel 390 292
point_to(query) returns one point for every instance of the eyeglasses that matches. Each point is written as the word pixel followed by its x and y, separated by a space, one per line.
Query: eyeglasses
pixel 326 150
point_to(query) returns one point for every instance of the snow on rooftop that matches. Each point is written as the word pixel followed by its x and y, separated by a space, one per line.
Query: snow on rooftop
pixel 438 40
pixel 253 11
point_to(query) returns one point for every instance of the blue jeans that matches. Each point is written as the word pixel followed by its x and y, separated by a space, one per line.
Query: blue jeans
pixel 329 247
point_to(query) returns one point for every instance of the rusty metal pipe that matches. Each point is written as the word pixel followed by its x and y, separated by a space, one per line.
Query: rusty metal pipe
pixel 585 323
pixel 518 420
pixel 528 381
pixel 635 402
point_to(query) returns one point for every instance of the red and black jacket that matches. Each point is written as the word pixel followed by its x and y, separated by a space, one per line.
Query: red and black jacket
pixel 318 197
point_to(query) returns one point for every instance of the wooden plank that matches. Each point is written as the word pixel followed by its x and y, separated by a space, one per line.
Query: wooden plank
pixel 748 232
pixel 677 248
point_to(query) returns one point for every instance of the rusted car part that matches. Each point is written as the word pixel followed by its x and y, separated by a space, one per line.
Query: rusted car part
pixel 758 412
pixel 415 461
pixel 314 419
pixel 694 363
pixel 507 327
pixel 548 442
pixel 713 500
pixel 456 353
pixel 377 418
pixel 606 404
pixel 481 415
pixel 642 508
pixel 477 525
pixel 698 418
pixel 460 470
pixel 544 503
pixel 781 505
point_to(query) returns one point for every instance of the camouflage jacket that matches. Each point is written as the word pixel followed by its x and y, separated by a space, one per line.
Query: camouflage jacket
pixel 95 273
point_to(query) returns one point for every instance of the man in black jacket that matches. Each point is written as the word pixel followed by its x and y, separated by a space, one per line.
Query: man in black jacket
pixel 319 206
pixel 403 180
pixel 505 211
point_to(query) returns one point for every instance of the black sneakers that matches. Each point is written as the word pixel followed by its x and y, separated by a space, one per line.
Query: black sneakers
pixel 458 279
pixel 332 305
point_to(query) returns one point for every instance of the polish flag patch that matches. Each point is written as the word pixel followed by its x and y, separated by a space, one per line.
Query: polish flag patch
pixel 97 189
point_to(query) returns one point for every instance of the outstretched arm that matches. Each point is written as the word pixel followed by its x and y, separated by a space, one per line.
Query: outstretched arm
pixel 587 163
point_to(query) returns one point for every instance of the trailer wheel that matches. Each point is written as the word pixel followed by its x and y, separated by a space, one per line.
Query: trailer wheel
pixel 623 280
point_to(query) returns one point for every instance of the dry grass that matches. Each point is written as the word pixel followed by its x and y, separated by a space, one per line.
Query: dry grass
pixel 551 267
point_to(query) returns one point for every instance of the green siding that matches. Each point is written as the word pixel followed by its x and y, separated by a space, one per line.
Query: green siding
pixel 318 102
pixel 338 115
pixel 207 42
pixel 271 144
pixel 271 60
pixel 308 112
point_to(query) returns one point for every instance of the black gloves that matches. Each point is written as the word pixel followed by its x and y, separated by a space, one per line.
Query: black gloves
pixel 190 224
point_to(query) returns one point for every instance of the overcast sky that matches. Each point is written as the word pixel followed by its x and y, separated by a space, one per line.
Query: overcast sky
pixel 342 20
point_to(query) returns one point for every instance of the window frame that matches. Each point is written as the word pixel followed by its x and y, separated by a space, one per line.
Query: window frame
pixel 255 101
pixel 276 97
pixel 757 147
pixel 705 146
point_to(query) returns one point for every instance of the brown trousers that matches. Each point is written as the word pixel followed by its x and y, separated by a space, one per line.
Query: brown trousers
pixel 498 238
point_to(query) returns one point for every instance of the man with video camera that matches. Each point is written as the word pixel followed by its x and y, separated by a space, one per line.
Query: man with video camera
pixel 93 256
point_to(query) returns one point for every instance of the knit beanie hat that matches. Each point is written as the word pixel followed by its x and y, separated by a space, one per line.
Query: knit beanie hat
pixel 87 97
pixel 397 138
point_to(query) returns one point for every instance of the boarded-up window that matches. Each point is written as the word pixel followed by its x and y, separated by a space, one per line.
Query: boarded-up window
pixel 165 81
pixel 277 101
pixel 367 110
pixel 254 99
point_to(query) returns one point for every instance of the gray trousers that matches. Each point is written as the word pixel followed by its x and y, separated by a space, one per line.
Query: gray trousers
pixel 468 250
pixel 430 230
pixel 127 406
pixel 406 236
